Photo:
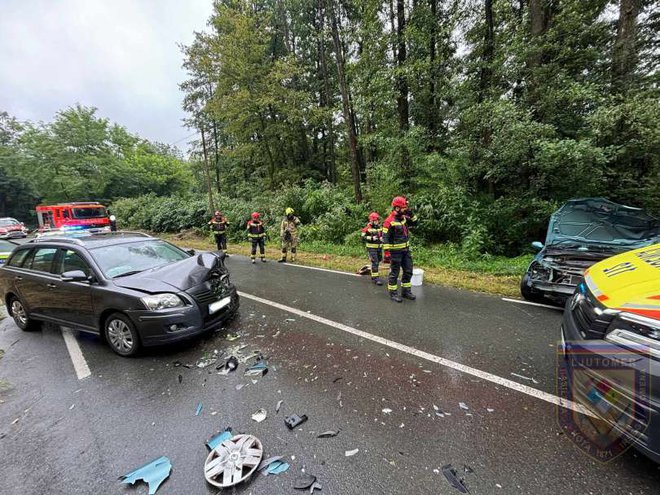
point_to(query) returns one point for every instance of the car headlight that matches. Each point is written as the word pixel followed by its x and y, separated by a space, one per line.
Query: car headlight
pixel 629 329
pixel 162 301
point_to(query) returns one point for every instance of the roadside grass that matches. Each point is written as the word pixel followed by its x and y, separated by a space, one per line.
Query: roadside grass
pixel 442 264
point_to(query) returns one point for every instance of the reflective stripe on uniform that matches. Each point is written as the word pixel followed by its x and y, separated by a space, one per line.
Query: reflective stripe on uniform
pixel 394 247
pixel 256 236
pixel 374 246
pixel 391 287
pixel 406 284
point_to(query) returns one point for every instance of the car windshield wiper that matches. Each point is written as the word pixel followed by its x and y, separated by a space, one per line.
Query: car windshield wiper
pixel 132 272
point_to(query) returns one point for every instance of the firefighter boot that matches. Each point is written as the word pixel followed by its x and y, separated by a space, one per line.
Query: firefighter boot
pixel 407 294
pixel 263 259
pixel 394 296
pixel 377 281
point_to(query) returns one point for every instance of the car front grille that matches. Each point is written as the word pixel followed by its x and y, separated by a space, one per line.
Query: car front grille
pixel 590 316
pixel 211 290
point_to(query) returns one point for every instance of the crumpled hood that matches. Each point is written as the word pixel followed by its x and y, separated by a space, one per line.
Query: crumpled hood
pixel 598 221
pixel 179 276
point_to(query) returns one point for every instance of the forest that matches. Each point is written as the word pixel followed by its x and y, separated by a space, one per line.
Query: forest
pixel 486 114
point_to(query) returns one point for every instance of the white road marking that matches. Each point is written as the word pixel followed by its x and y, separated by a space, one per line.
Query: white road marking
pixel 77 358
pixel 323 269
pixel 529 303
pixel 504 382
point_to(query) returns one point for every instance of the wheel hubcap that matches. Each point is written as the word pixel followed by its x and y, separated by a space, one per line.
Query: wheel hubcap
pixel 120 336
pixel 18 312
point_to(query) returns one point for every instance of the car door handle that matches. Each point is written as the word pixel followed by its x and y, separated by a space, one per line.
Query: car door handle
pixel 51 286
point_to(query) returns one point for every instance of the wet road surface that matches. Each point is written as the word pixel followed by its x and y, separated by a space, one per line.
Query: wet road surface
pixel 59 434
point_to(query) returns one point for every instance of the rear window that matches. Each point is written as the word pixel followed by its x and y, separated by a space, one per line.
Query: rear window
pixel 18 257
pixel 7 222
pixel 89 212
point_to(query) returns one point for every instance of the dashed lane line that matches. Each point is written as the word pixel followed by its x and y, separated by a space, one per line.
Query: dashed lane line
pixel 77 358
pixel 504 382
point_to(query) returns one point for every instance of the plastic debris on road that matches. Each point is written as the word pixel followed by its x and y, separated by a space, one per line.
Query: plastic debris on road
pixel 294 421
pixel 453 479
pixel 315 486
pixel 387 410
pixel 304 481
pixel 205 362
pixel 350 453
pixel 260 415
pixel 216 440
pixel 233 461
pixel 258 369
pixel 232 336
pixel 278 406
pixel 277 467
pixel 523 377
pixel 199 409
pixel 463 406
pixel 267 462
pixel 328 434
pixel 153 474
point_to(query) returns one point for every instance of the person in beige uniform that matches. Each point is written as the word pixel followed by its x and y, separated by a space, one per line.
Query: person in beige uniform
pixel 289 234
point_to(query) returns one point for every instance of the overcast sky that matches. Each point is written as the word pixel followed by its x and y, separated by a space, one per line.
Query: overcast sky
pixel 120 56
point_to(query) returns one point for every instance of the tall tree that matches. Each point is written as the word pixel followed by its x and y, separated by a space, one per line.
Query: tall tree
pixel 625 51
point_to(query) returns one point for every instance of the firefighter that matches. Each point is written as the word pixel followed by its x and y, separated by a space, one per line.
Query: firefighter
pixel 396 244
pixel 257 235
pixel 372 237
pixel 219 226
pixel 289 234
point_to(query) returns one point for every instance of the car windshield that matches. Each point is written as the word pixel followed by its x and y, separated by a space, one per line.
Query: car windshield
pixel 6 246
pixel 6 222
pixel 133 257
pixel 89 212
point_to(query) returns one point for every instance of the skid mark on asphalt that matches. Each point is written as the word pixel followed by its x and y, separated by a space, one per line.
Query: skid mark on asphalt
pixel 529 303
pixel 77 358
pixel 518 387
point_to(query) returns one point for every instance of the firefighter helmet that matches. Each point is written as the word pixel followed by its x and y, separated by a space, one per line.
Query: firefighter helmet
pixel 255 216
pixel 288 211
pixel 374 216
pixel 400 202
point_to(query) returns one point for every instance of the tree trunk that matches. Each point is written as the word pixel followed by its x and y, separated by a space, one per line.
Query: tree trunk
pixel 486 76
pixel 348 115
pixel 625 50
pixel 207 171
pixel 331 166
pixel 402 82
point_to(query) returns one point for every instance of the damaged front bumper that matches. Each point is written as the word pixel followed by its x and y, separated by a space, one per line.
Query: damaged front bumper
pixel 173 325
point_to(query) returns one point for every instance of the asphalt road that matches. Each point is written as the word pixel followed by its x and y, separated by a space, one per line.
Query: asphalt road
pixel 59 434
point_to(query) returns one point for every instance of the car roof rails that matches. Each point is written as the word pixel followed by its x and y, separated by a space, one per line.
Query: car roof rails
pixel 55 238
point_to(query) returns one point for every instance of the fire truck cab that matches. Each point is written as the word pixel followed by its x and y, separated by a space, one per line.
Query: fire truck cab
pixel 73 216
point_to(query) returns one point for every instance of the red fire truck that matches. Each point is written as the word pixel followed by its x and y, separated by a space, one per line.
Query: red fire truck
pixel 73 216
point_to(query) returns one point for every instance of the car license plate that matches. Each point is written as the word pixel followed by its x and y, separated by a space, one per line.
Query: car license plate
pixel 218 305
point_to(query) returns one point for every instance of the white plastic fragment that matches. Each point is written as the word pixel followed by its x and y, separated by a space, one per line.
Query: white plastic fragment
pixel 260 415
pixel 350 453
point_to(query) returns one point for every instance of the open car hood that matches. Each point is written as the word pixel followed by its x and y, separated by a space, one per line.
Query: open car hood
pixel 598 222
pixel 179 276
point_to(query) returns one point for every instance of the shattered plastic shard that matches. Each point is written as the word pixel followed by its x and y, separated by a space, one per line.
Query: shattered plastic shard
pixel 453 479
pixel 206 362
pixel 304 481
pixel 232 363
pixel 232 336
pixel 199 409
pixel 462 405
pixel 267 462
pixel 315 486
pixel 213 442
pixel 328 434
pixel 387 410
pixel 258 369
pixel 260 415
pixel 350 453
pixel 153 474
pixel 277 467
pixel 233 461
pixel 279 404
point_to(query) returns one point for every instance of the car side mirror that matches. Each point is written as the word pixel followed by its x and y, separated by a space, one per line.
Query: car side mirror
pixel 191 252
pixel 74 276
pixel 537 245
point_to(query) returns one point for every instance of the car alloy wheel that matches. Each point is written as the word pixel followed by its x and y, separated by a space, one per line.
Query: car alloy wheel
pixel 19 314
pixel 120 336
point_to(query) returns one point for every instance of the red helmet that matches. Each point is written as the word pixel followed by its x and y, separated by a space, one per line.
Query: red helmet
pixel 400 201
pixel 255 216
pixel 374 216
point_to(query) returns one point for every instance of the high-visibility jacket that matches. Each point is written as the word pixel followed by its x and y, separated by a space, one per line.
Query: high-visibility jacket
pixel 372 236
pixel 395 231
pixel 255 229
pixel 219 225
pixel 289 228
